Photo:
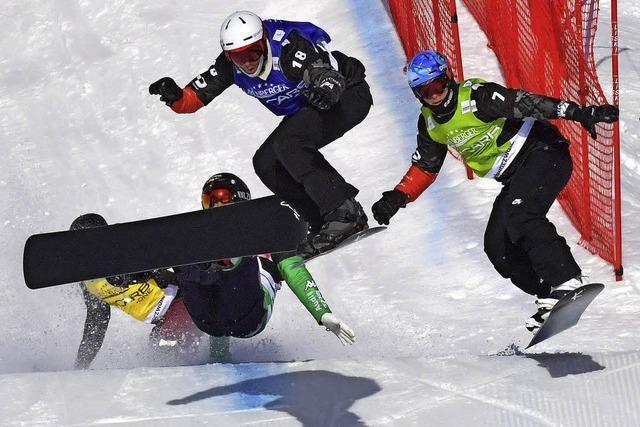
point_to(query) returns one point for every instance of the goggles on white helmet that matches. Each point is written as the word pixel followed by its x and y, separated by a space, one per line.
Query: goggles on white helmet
pixel 243 38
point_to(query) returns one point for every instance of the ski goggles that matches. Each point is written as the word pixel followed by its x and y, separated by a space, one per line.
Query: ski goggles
pixel 431 88
pixel 216 196
pixel 247 54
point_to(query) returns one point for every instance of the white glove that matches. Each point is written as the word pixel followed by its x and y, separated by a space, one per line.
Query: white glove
pixel 338 327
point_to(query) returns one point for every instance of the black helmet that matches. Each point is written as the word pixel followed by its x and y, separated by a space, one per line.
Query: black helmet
pixel 224 188
pixel 89 220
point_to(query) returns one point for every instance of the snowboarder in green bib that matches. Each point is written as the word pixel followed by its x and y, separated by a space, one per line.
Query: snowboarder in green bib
pixel 501 133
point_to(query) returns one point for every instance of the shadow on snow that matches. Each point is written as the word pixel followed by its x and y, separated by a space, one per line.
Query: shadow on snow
pixel 312 397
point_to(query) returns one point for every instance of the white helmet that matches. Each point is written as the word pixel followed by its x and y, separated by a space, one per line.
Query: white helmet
pixel 240 29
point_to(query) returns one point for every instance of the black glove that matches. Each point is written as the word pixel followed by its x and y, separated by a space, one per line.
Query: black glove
pixel 588 116
pixel 121 280
pixel 164 277
pixel 327 86
pixel 388 205
pixel 124 280
pixel 167 88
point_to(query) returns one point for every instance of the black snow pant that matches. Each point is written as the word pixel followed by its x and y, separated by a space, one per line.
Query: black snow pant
pixel 290 164
pixel 223 303
pixel 520 241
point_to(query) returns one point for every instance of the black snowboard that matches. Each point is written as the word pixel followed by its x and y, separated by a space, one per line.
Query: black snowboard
pixel 349 240
pixel 265 225
pixel 567 311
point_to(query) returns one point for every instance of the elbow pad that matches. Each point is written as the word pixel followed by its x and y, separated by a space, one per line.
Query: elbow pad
pixel 189 103
pixel 415 181
pixel 538 106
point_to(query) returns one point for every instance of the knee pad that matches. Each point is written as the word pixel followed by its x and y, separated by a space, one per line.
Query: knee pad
pixel 493 249
pixel 498 260
pixel 263 161
pixel 502 267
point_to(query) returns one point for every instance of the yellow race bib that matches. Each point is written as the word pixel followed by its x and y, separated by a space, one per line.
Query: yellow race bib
pixel 138 300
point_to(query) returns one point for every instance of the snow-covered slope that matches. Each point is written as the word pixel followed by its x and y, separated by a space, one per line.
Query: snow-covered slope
pixel 570 389
pixel 80 133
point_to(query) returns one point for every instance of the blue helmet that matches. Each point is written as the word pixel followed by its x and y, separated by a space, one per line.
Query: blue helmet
pixel 425 66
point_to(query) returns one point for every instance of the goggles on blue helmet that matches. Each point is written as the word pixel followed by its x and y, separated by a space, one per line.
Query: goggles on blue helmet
pixel 427 73
pixel 431 88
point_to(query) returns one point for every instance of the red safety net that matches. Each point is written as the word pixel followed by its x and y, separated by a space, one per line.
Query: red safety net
pixel 545 47
pixel 428 24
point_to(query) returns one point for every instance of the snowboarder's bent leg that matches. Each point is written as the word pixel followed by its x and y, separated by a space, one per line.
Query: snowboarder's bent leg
pixel 507 258
pixel 280 182
pixel 532 191
pixel 299 138
pixel 296 143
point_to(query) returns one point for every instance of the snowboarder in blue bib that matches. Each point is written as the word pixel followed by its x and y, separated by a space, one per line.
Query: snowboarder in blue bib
pixel 501 133
pixel 321 95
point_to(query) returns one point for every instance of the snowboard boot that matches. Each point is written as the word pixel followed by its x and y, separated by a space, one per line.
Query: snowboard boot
pixel 344 221
pixel 562 289
pixel 546 304
pixel 534 322
pixel 305 248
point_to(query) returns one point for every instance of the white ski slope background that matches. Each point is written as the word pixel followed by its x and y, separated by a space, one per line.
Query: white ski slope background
pixel 439 335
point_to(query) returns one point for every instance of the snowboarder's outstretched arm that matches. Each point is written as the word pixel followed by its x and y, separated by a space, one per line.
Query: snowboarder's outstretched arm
pixel 493 101
pixel 95 328
pixel 199 92
pixel 304 287
pixel 137 294
pixel 425 166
